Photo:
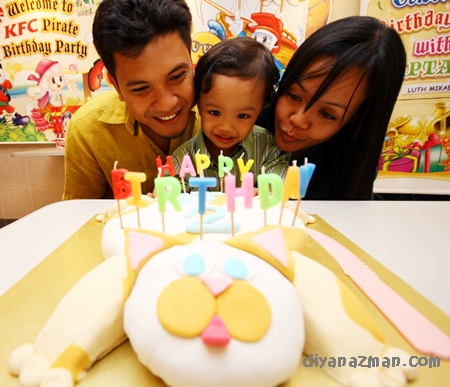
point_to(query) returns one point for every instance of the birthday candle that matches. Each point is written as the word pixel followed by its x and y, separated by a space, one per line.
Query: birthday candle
pixel 291 187
pixel 306 172
pixel 187 166
pixel 121 187
pixel 202 162
pixel 166 167
pixel 225 164
pixel 232 192
pixel 202 184
pixel 136 178
pixel 267 184
pixel 244 168
pixel 167 190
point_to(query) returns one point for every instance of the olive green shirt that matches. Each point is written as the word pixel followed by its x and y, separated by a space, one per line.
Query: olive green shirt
pixel 102 132
pixel 259 145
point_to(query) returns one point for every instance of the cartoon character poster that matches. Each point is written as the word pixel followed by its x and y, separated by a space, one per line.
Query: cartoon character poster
pixel 282 25
pixel 48 67
pixel 417 143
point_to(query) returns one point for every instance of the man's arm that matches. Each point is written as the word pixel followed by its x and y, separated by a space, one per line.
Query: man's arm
pixel 84 178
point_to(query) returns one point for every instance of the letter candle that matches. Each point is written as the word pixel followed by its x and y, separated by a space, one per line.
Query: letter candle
pixel 186 167
pixel 136 178
pixel 232 192
pixel 267 184
pixel 166 167
pixel 244 168
pixel 291 187
pixel 202 183
pixel 202 162
pixel 306 172
pixel 121 187
pixel 167 190
pixel 225 164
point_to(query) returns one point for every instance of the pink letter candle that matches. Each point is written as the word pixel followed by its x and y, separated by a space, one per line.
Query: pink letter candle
pixel 187 166
pixel 166 167
pixel 232 191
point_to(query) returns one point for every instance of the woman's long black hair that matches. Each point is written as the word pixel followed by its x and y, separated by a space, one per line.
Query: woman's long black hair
pixel 351 156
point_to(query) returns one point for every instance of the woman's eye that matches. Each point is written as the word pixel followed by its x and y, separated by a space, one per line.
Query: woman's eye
pixel 294 97
pixel 328 116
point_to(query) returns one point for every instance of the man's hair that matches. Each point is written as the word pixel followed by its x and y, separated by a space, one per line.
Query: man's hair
pixel 242 58
pixel 127 26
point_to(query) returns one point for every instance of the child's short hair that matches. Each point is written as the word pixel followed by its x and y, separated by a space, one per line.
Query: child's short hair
pixel 240 57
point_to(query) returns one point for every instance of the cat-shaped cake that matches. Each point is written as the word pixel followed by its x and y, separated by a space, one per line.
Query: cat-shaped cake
pixel 238 312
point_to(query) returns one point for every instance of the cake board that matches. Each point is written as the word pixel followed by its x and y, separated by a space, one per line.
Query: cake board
pixel 25 308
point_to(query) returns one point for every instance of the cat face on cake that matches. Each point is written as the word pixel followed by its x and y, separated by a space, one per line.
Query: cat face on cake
pixel 209 316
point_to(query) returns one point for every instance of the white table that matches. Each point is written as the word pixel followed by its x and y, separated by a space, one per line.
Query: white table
pixel 409 238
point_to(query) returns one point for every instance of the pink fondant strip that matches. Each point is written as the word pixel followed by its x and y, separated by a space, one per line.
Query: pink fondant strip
pixel 415 327
pixel 273 242
pixel 140 246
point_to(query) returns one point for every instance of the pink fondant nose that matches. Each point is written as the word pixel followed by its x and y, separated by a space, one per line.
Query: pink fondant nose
pixel 216 333
pixel 217 285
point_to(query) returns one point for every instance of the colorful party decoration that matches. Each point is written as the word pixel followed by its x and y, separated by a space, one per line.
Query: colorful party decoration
pixel 244 168
pixel 166 167
pixel 202 162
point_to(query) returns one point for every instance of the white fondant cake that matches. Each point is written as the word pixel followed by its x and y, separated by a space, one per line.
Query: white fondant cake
pixel 221 311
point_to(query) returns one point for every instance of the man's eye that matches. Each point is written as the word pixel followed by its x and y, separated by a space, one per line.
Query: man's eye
pixel 139 89
pixel 178 76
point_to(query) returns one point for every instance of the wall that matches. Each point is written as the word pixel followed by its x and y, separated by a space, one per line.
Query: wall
pixel 28 183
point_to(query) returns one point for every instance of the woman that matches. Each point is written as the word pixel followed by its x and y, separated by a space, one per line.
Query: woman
pixel 334 104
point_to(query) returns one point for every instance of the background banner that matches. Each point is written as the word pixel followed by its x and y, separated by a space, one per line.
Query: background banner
pixel 417 144
pixel 49 66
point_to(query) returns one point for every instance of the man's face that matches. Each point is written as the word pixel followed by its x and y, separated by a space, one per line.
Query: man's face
pixel 158 85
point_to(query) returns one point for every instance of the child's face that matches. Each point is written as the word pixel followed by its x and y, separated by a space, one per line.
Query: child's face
pixel 229 111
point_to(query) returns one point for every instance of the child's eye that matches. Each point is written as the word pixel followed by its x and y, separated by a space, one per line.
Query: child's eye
pixel 139 89
pixel 214 112
pixel 243 115
pixel 294 97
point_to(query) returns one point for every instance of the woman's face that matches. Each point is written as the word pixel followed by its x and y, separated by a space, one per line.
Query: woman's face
pixel 296 129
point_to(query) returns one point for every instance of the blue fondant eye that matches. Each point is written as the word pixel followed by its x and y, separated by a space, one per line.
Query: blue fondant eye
pixel 235 269
pixel 194 264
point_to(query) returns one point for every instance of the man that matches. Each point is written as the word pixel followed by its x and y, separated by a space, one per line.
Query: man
pixel 145 46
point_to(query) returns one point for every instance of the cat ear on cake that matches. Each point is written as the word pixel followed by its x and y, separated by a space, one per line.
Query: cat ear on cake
pixel 140 246
pixel 273 244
